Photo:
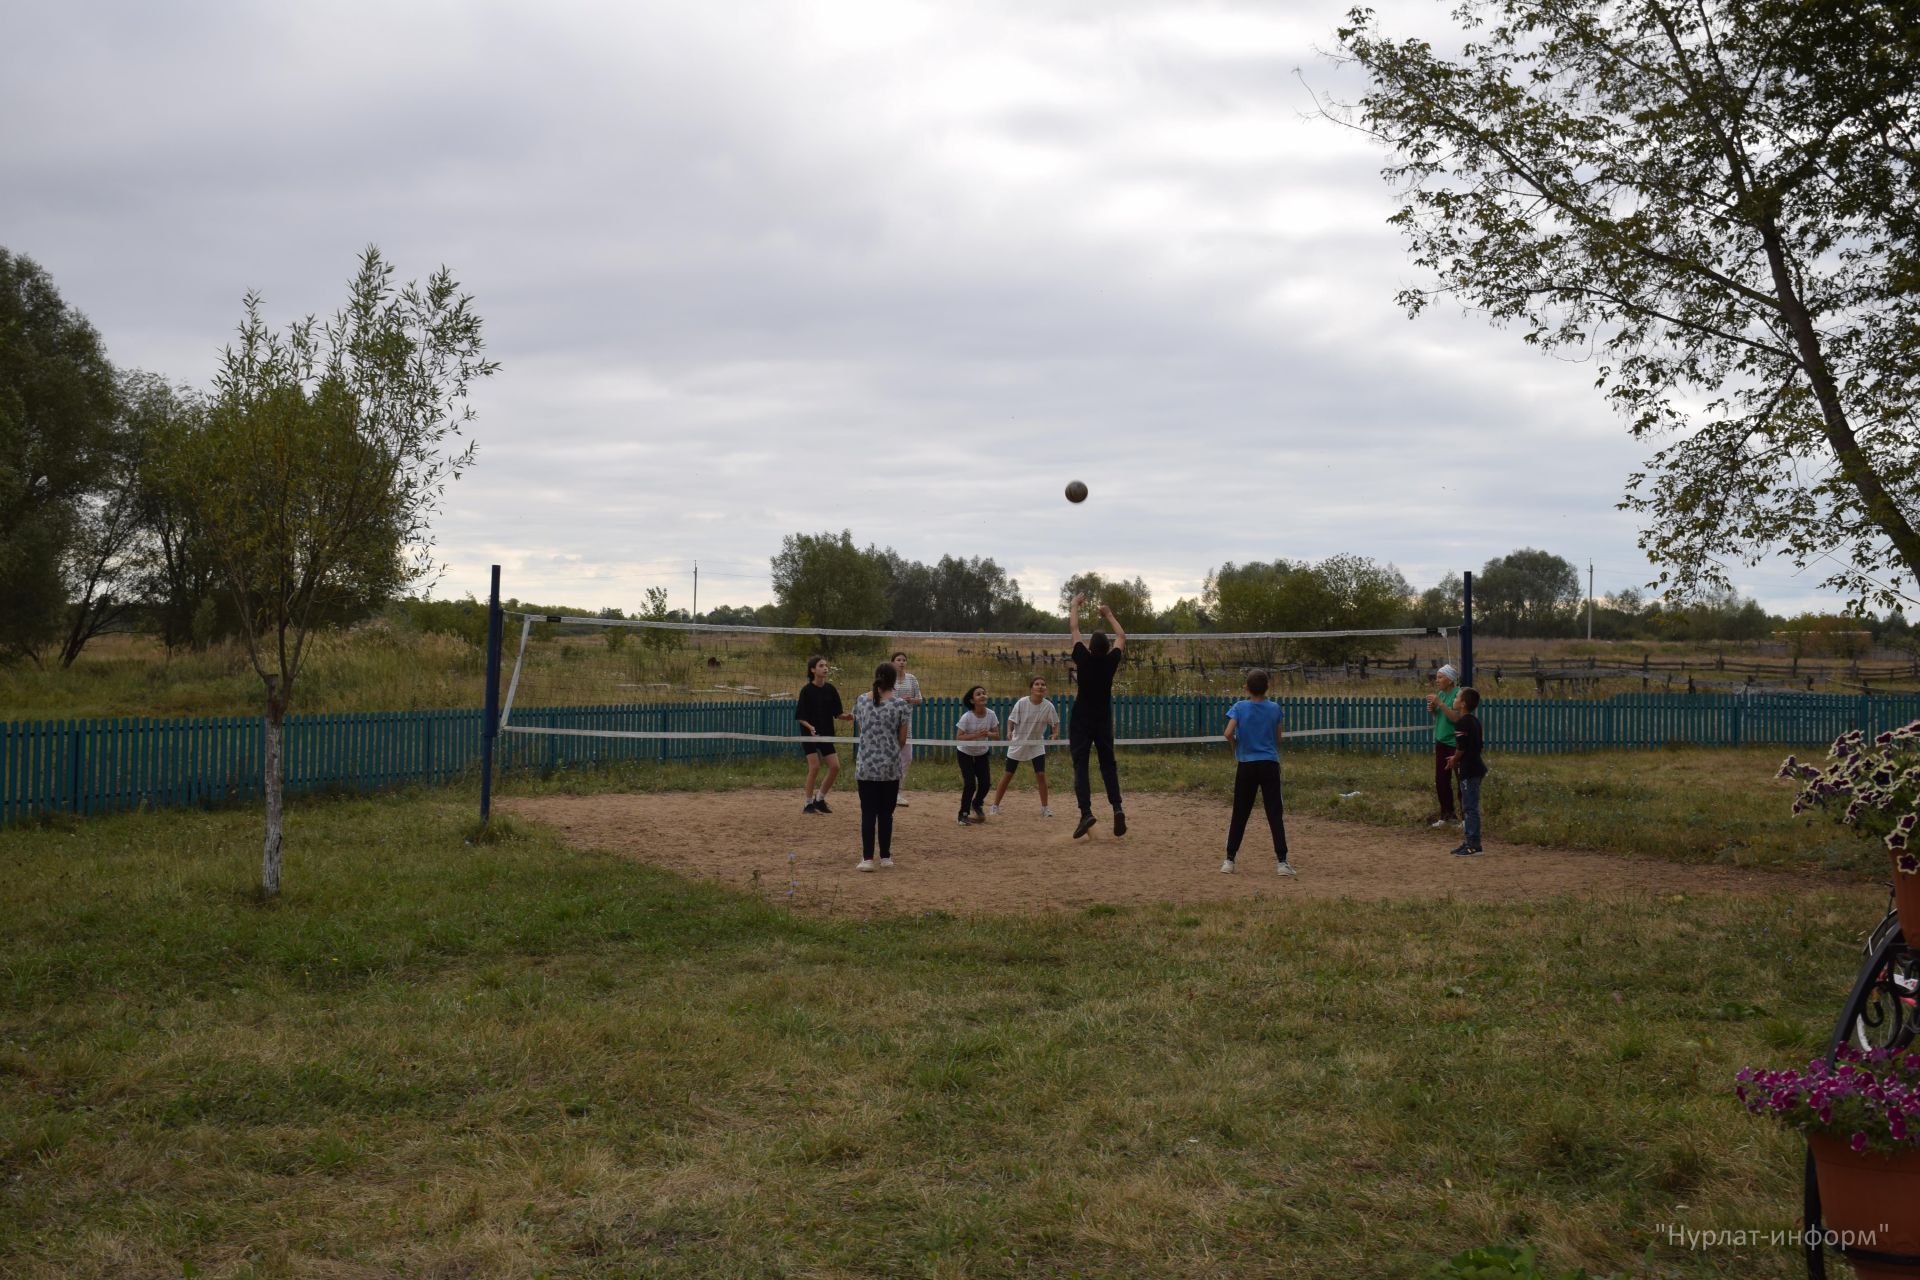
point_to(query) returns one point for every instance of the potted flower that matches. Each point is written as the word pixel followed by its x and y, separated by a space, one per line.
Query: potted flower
pixel 1861 1117
pixel 1874 787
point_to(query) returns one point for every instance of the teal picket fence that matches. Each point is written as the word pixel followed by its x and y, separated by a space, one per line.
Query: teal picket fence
pixel 99 766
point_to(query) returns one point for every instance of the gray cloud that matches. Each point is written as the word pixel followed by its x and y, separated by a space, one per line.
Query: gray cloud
pixel 757 268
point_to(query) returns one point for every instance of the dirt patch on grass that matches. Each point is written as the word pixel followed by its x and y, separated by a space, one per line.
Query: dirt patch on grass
pixel 1020 863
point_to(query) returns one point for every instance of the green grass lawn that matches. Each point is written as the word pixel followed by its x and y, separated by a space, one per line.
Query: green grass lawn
pixel 439 1058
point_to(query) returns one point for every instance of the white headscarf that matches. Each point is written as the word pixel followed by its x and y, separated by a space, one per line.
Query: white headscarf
pixel 1448 671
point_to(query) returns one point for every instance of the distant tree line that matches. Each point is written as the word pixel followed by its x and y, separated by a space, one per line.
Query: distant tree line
pixel 826 580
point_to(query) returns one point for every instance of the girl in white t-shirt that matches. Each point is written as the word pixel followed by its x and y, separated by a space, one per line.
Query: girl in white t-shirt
pixel 1030 724
pixel 977 725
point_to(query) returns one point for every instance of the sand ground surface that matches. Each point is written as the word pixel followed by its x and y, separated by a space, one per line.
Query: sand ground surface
pixel 1020 863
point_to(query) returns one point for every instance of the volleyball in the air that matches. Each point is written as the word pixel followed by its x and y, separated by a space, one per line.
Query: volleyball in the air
pixel 1076 492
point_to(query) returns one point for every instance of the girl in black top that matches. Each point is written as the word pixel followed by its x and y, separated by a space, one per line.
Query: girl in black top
pixel 819 707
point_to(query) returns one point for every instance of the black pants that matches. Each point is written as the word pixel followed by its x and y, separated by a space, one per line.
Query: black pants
pixel 976 773
pixel 1261 777
pixel 1082 739
pixel 1443 777
pixel 877 800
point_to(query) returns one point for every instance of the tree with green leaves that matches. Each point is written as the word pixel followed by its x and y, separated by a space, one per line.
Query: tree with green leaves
pixel 823 580
pixel 181 591
pixel 322 453
pixel 1185 616
pixel 1442 605
pixel 114 562
pixel 1527 593
pixel 1341 593
pixel 656 611
pixel 1131 602
pixel 58 400
pixel 1712 200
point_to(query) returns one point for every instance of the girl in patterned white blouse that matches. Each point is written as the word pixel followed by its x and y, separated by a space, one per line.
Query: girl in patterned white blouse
pixel 880 728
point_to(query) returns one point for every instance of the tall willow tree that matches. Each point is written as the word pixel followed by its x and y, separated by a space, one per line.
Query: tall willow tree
pixel 1716 200
pixel 312 473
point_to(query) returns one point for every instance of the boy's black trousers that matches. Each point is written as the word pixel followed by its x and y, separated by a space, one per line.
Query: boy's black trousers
pixel 1262 778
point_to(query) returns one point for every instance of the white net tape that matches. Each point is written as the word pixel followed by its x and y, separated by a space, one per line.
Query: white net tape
pixel 1214 739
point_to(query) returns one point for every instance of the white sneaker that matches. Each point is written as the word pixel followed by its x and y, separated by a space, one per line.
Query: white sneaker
pixel 1436 824
pixel 901 803
pixel 993 811
pixel 1045 812
pixel 866 864
pixel 1286 869
pixel 886 862
pixel 1226 868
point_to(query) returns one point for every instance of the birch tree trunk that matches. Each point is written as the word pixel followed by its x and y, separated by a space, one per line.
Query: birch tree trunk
pixel 274 719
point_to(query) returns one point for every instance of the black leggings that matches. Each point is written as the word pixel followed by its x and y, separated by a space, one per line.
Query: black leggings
pixel 1080 740
pixel 976 777
pixel 1253 777
pixel 877 799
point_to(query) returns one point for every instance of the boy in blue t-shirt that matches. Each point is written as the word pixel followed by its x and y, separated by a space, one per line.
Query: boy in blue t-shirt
pixel 1253 727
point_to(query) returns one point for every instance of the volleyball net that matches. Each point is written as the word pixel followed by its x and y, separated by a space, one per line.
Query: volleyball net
pixel 583 689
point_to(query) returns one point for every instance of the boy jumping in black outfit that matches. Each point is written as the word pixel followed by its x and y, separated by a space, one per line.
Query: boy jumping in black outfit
pixel 1090 727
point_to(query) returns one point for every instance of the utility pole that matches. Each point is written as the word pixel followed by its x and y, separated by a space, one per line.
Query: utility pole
pixel 1589 599
pixel 695 616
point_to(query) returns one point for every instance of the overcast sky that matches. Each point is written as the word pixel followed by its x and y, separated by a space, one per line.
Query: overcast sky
pixel 898 267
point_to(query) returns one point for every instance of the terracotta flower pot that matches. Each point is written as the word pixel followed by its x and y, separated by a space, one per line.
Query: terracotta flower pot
pixel 1872 1198
pixel 1906 896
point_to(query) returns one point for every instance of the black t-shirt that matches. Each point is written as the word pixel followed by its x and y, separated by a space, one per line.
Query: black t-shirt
pixel 819 705
pixel 1093 695
pixel 1467 741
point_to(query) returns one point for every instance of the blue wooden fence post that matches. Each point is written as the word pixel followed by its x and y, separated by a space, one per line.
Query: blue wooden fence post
pixel 73 795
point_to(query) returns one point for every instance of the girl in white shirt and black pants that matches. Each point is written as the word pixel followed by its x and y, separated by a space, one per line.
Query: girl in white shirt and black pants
pixel 977 725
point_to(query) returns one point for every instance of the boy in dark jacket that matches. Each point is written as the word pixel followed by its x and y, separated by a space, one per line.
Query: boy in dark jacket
pixel 1470 766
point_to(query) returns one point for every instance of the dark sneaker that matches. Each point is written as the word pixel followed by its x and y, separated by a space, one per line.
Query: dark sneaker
pixel 1119 823
pixel 1086 824
pixel 813 806
pixel 964 820
pixel 820 806
pixel 979 815
pixel 1466 851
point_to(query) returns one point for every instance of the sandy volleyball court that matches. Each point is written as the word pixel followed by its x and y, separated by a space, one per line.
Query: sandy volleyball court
pixel 1020 863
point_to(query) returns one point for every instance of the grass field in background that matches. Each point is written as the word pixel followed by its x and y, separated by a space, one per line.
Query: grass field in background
pixel 369 669
pixel 438 1058
pixel 385 666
